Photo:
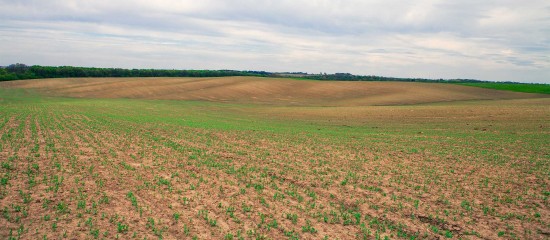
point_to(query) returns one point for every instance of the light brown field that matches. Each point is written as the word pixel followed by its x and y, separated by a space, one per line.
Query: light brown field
pixel 305 160
pixel 270 91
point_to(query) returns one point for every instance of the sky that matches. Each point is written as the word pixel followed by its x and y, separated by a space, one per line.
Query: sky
pixel 496 40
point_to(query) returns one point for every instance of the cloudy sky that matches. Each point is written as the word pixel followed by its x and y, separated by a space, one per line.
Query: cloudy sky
pixel 502 40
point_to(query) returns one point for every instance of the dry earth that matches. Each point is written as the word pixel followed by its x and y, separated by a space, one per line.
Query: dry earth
pixel 88 168
pixel 265 90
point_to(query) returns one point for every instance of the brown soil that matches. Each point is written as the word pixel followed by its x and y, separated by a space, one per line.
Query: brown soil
pixel 265 90
pixel 469 170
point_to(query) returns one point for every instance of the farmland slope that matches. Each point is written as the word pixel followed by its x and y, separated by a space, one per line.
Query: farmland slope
pixel 85 168
pixel 270 91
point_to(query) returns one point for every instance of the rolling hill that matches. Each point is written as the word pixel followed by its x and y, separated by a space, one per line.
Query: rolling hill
pixel 270 91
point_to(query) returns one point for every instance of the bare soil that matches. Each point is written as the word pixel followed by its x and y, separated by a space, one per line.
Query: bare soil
pixel 446 168
pixel 272 91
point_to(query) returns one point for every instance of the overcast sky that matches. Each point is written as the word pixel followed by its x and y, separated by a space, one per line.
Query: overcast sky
pixel 502 40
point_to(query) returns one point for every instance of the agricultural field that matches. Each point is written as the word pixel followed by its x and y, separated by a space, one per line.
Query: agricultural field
pixel 260 158
pixel 518 87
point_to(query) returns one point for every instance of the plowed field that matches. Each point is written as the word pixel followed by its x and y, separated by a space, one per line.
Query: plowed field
pixel 280 159
pixel 273 91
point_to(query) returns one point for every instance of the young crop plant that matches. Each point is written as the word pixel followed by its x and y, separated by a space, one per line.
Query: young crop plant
pixel 202 169
pixel 133 199
pixel 176 216
pixel 292 217
pixel 308 228
pixel 122 228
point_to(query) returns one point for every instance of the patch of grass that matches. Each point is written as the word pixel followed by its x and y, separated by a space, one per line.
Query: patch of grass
pixel 516 87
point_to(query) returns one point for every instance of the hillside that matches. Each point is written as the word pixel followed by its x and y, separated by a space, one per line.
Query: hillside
pixel 271 91
pixel 277 166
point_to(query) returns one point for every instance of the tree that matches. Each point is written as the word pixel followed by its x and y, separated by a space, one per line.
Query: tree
pixel 17 68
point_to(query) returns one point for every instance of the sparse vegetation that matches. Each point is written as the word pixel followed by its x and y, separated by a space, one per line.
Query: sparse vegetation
pixel 89 168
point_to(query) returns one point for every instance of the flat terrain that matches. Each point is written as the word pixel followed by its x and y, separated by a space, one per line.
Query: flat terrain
pixel 280 159
pixel 273 91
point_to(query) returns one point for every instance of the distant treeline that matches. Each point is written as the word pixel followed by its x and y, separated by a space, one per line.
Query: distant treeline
pixel 351 77
pixel 21 71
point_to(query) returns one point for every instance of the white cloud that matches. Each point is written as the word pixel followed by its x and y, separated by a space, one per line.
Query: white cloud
pixel 493 40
